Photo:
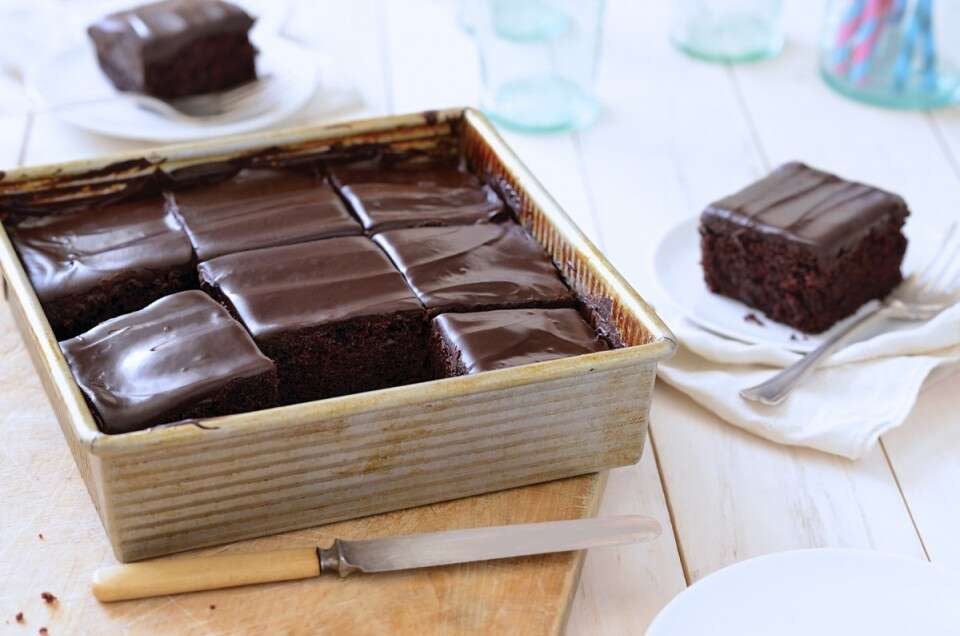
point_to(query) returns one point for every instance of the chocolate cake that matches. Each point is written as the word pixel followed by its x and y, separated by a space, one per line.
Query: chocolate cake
pixel 486 341
pixel 475 267
pixel 416 196
pixel 260 208
pixel 95 264
pixel 181 357
pixel 803 246
pixel 176 47
pixel 335 315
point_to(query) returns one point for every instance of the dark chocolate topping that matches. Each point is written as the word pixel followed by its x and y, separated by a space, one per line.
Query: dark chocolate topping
pixel 260 208
pixel 161 29
pixel 417 196
pixel 474 266
pixel 140 368
pixel 805 205
pixel 68 254
pixel 491 340
pixel 279 289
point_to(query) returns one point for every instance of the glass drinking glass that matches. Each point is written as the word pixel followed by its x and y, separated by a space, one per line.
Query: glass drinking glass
pixel 893 53
pixel 538 60
pixel 727 30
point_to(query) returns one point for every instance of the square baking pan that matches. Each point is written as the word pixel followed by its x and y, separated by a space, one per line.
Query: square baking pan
pixel 198 483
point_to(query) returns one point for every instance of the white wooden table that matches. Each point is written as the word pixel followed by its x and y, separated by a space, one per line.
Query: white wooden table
pixel 675 134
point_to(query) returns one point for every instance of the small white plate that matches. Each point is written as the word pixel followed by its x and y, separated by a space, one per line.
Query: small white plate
pixel 826 592
pixel 68 81
pixel 676 266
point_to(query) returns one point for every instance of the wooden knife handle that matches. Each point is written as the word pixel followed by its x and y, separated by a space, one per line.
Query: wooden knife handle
pixel 175 576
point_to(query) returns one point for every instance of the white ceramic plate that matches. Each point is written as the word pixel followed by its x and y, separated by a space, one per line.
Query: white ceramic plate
pixel 676 265
pixel 826 592
pixel 68 80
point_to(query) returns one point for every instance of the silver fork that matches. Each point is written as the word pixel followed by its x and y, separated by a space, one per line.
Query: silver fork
pixel 243 101
pixel 920 297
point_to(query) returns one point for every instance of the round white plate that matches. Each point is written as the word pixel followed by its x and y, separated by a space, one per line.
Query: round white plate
pixel 827 592
pixel 72 85
pixel 676 265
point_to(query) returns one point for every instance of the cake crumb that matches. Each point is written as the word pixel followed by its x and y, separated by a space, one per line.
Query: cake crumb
pixel 19 617
pixel 40 536
pixel 48 598
pixel 43 631
pixel 752 317
pixel 213 607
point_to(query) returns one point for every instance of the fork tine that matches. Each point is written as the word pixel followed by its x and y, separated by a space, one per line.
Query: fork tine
pixel 941 263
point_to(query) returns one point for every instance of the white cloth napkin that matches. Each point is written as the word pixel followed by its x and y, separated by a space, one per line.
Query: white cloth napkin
pixel 858 394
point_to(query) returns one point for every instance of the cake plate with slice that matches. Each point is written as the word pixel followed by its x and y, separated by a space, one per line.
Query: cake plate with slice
pixel 676 267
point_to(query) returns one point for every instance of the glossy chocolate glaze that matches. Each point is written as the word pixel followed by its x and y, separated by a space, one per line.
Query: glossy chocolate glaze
pixel 491 340
pixel 390 198
pixel 276 290
pixel 475 266
pixel 161 29
pixel 69 254
pixel 804 205
pixel 140 368
pixel 260 208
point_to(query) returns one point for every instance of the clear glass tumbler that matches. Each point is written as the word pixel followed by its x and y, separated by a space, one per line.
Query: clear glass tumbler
pixel 893 53
pixel 727 30
pixel 538 60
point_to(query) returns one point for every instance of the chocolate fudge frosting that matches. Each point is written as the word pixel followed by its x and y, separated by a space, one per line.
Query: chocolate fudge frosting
pixel 417 196
pixel 475 266
pixel 161 29
pixel 260 208
pixel 805 205
pixel 491 340
pixel 280 289
pixel 69 254
pixel 139 368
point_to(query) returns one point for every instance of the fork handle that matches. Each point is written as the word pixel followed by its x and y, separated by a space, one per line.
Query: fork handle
pixel 775 390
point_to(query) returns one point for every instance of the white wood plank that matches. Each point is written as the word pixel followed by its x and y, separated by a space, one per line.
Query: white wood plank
pixel 925 454
pixel 12 134
pixel 736 496
pixel 622 590
pixel 674 138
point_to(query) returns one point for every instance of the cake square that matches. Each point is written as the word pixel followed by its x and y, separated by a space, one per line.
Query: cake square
pixel 95 264
pixel 418 195
pixel 463 344
pixel 335 315
pixel 176 47
pixel 181 357
pixel 260 208
pixel 803 246
pixel 475 267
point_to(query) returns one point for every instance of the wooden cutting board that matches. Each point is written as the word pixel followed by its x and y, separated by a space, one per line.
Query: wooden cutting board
pixel 51 541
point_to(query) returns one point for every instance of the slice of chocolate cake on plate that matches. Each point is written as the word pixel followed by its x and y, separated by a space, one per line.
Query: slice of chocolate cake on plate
pixel 176 48
pixel 803 246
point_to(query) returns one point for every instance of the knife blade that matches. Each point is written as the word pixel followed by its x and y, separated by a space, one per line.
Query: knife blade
pixel 483 544
pixel 176 576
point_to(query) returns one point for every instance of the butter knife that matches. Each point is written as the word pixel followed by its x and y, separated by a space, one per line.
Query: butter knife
pixel 176 576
